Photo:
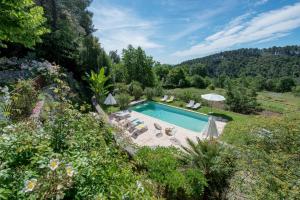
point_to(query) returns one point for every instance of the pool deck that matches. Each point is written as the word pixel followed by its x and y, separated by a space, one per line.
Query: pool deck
pixel 149 137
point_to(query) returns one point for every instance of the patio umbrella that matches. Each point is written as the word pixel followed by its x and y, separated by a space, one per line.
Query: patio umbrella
pixel 110 100
pixel 213 97
pixel 211 130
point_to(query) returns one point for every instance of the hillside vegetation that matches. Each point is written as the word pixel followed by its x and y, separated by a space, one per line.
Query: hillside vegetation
pixel 272 62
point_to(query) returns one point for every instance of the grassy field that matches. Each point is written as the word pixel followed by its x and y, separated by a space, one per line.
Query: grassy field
pixel 270 101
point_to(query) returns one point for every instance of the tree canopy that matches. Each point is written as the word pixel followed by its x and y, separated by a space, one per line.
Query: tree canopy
pixel 22 22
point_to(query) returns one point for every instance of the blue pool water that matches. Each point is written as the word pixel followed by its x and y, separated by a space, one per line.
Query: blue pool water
pixel 185 119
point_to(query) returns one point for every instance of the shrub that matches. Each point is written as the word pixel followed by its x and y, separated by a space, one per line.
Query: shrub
pixel 136 89
pixel 163 167
pixel 123 100
pixel 90 167
pixel 296 90
pixel 285 84
pixel 159 90
pixel 121 88
pixel 211 87
pixel 241 99
pixel 149 92
pixel 23 99
pixel 198 82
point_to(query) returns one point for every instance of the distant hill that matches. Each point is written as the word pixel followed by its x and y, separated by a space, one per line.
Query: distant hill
pixel 270 62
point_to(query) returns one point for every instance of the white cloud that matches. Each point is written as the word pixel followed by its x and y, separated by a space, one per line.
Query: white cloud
pixel 202 21
pixel 118 27
pixel 261 2
pixel 244 29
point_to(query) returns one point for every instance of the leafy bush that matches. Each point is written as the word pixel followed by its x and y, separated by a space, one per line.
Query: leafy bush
pixel 23 99
pixel 159 90
pixel 211 87
pixel 241 99
pixel 214 161
pixel 121 88
pixel 136 89
pixel 198 81
pixel 163 167
pixel 123 100
pixel 89 167
pixel 149 92
pixel 285 84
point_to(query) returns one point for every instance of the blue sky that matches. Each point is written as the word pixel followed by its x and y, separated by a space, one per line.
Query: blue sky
pixel 172 31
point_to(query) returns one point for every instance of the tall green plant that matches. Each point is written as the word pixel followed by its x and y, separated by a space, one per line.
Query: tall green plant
pixel 98 85
pixel 211 158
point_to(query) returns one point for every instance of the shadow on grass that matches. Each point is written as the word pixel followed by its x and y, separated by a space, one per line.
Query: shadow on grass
pixel 224 116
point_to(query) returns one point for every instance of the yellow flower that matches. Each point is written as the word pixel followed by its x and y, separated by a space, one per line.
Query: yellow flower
pixel 30 185
pixel 53 164
pixel 69 170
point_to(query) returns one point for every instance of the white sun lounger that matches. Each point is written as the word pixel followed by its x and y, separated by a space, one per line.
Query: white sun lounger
pixel 171 99
pixel 164 98
pixel 190 104
pixel 196 106
pixel 122 115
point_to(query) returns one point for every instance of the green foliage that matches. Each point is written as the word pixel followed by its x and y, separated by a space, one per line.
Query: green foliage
pixel 123 100
pixel 121 88
pixel 241 99
pixel 211 87
pixel 23 99
pixel 211 158
pixel 22 22
pixel 98 84
pixel 267 167
pixel 296 90
pixel 176 78
pixel 138 66
pixel 198 82
pixel 91 55
pixel 149 93
pixel 272 62
pixel 163 167
pixel 159 90
pixel 114 57
pixel 136 89
pixel 89 167
pixel 119 73
pixel 285 84
pixel 162 71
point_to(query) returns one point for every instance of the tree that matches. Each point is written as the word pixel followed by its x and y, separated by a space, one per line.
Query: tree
pixel 139 66
pixel 22 22
pixel 114 56
pixel 161 71
pixel 175 76
pixel 285 84
pixel 198 81
pixel 123 100
pixel 149 93
pixel 98 85
pixel 241 99
pixel 136 89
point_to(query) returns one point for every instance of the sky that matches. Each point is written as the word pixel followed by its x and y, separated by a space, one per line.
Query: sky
pixel 172 31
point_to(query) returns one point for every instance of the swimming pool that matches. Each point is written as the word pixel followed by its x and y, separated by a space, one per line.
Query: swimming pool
pixel 185 119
